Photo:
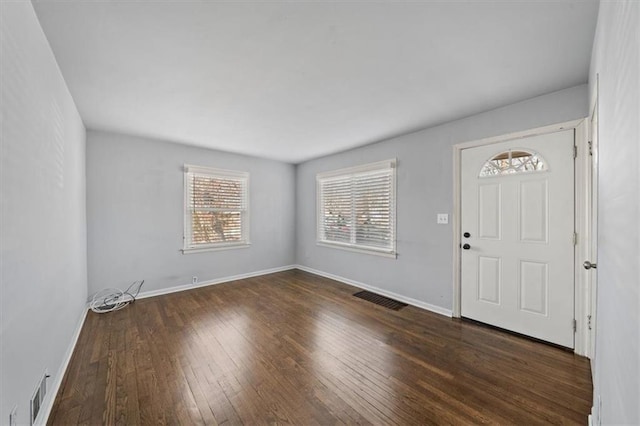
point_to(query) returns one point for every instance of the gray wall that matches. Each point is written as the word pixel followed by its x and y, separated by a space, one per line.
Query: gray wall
pixel 43 276
pixel 423 269
pixel 616 58
pixel 135 196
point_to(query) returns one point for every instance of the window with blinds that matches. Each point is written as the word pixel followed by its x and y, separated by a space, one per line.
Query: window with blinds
pixel 216 208
pixel 356 207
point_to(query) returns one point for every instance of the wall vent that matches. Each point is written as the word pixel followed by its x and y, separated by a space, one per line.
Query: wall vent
pixel 38 397
pixel 13 416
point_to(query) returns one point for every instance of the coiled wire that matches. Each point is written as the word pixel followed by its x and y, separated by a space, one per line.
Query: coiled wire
pixel 113 299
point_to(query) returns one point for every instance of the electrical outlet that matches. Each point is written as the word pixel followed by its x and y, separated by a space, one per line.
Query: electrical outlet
pixel 194 280
pixel 13 416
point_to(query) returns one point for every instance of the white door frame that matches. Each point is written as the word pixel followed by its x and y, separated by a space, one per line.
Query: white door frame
pixel 582 192
pixel 591 225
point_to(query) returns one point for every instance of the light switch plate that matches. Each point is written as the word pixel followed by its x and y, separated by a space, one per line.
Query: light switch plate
pixel 443 218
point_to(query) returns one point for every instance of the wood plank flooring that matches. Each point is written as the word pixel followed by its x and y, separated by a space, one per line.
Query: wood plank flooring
pixel 296 348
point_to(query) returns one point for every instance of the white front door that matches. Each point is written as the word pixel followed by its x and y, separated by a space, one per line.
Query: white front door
pixel 518 236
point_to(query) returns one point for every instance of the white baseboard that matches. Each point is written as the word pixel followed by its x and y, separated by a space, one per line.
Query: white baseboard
pixel 408 300
pixel 152 293
pixel 52 391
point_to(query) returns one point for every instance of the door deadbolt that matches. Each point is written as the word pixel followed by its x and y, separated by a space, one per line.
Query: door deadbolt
pixel 589 265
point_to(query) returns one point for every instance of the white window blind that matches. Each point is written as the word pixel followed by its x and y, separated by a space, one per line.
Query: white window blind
pixel 216 208
pixel 356 207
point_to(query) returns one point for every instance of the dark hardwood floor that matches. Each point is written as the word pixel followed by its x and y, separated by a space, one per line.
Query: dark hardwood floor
pixel 296 348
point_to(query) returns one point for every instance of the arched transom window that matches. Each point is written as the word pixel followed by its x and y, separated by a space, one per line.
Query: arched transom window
pixel 513 161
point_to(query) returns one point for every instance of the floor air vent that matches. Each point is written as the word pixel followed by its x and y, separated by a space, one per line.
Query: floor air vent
pixel 380 300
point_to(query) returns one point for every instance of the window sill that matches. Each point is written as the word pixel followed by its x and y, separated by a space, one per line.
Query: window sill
pixel 215 248
pixel 345 247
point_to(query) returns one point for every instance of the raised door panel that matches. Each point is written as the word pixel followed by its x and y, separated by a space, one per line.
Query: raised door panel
pixel 489 211
pixel 489 279
pixel 534 287
pixel 534 211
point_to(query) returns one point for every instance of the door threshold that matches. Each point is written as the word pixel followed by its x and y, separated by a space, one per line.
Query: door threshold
pixel 514 333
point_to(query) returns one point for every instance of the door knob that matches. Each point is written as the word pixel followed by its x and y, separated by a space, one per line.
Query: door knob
pixel 467 247
pixel 589 265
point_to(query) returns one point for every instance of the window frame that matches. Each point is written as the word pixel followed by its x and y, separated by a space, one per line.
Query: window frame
pixel 352 172
pixel 245 242
pixel 502 173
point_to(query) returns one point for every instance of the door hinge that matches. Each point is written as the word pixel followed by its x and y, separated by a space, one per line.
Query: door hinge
pixel 575 325
pixel 575 238
pixel 589 322
pixel 575 151
pixel 591 148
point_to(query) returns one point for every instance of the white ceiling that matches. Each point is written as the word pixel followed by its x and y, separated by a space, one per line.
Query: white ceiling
pixel 297 80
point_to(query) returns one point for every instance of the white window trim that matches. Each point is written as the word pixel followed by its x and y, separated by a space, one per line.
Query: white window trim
pixel 360 170
pixel 186 249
